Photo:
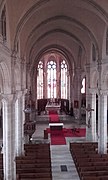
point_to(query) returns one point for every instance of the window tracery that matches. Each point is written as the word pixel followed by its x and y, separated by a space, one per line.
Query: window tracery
pixel 54 84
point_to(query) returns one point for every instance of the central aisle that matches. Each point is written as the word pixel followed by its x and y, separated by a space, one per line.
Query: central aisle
pixel 63 167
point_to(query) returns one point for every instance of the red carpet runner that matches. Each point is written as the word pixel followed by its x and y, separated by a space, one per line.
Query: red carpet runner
pixel 53 117
pixel 69 132
pixel 57 136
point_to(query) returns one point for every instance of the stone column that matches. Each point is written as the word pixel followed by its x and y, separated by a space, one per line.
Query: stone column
pixel 9 137
pixel 23 119
pixel 102 123
pixel 88 124
pixel 78 93
pixel 1 37
pixel 93 117
pixel 91 130
pixel 19 124
pixel 88 102
pixel 68 87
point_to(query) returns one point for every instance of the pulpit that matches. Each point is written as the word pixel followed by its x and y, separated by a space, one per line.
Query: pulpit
pixel 29 128
pixel 30 123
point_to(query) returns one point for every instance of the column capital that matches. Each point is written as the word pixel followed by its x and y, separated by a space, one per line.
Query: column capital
pixel 8 97
pixel 18 94
pixel 103 92
pixel 92 91
pixel 24 91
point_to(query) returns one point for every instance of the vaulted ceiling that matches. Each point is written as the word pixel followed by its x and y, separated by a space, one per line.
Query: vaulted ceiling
pixel 68 26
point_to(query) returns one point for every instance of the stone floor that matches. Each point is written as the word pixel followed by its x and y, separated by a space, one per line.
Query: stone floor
pixel 63 167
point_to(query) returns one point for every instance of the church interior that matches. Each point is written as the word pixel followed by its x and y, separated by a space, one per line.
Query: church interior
pixel 53 89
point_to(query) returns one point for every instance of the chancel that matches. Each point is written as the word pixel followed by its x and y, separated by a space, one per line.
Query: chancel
pixel 53 89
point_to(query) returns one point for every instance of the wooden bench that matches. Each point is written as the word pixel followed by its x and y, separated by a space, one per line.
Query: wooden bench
pixel 35 164
pixel 93 168
pixel 33 170
pixel 34 175
pixel 85 164
pixel 93 178
pixel 32 161
pixel 90 165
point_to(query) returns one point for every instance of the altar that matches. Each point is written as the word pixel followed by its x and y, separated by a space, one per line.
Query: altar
pixel 53 107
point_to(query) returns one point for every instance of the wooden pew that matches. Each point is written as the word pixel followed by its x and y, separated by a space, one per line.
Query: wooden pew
pixel 34 175
pixel 36 164
pixel 90 165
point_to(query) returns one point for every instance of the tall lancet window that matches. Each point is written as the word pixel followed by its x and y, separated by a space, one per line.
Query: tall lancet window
pixel 63 80
pixel 83 86
pixel 40 80
pixel 51 79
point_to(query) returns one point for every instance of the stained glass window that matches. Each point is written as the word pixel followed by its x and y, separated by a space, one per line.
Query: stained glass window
pixel 51 79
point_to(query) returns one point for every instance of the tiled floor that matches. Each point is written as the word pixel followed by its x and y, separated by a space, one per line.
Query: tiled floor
pixel 61 157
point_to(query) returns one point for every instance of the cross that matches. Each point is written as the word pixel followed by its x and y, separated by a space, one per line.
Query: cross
pixel 89 110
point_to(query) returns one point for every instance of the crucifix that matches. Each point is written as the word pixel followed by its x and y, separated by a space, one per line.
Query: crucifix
pixel 89 110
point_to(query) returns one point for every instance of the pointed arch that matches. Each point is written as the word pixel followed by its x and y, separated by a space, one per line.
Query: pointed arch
pixel 5 78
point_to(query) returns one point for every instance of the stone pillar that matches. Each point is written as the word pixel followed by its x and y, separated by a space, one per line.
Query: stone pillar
pixel 68 87
pixel 88 102
pixel 1 37
pixel 9 137
pixel 93 117
pixel 78 93
pixel 102 123
pixel 19 124
pixel 88 123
